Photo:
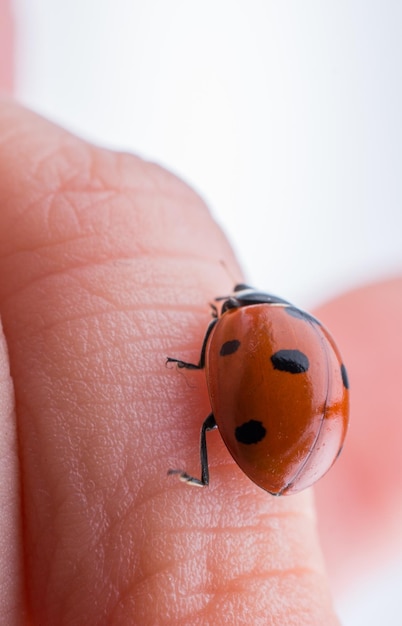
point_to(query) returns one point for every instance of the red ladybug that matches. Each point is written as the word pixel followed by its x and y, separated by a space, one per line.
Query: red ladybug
pixel 278 391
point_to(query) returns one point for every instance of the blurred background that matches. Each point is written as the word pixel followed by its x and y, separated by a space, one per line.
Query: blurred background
pixel 284 116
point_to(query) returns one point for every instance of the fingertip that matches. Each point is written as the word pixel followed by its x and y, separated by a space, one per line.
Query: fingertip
pixel 111 265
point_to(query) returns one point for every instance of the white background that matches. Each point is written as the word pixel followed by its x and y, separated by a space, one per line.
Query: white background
pixel 284 114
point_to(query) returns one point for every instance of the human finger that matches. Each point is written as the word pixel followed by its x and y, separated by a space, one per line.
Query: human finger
pixel 359 500
pixel 107 267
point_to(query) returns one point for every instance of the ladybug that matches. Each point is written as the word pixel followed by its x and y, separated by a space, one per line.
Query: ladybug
pixel 278 390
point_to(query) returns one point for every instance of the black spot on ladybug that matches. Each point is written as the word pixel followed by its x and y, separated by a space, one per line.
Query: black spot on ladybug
pixel 301 315
pixel 292 361
pixel 250 432
pixel 344 375
pixel 229 347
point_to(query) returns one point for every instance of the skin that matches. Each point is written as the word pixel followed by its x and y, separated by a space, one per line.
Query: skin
pixel 359 500
pixel 107 264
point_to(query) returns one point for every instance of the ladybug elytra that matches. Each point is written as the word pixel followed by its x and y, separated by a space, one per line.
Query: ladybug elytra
pixel 278 391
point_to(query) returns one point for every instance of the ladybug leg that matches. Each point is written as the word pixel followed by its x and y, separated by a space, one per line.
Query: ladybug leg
pixel 209 424
pixel 201 363
pixel 214 310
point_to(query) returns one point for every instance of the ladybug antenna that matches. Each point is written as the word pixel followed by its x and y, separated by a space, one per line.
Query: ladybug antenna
pixel 237 286
pixel 228 272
